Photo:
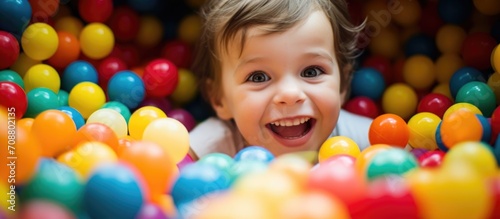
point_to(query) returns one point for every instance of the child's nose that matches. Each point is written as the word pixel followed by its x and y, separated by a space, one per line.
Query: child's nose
pixel 289 94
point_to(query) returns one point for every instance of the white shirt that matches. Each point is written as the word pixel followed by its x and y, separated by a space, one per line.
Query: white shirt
pixel 215 135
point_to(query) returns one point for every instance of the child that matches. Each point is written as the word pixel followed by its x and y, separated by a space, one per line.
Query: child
pixel 276 73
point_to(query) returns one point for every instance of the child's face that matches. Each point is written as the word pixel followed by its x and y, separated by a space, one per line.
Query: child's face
pixel 283 91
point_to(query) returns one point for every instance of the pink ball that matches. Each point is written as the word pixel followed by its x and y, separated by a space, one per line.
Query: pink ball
pixel 184 117
pixel 159 102
pixel 44 210
pixel 160 77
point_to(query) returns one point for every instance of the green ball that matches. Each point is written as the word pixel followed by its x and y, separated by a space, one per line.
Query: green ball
pixel 39 100
pixel 395 161
pixel 245 167
pixel 119 107
pixel 12 76
pixel 63 97
pixel 219 160
pixel 478 94
pixel 57 183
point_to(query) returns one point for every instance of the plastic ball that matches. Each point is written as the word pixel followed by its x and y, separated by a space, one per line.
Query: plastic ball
pixel 366 155
pixel 69 24
pixel 39 41
pixel 431 159
pixel 95 10
pixel 363 106
pixel 476 155
pixel 421 44
pixel 160 78
pixel 400 99
pixel 13 98
pixel 367 82
pixel 39 100
pixel 76 72
pixel 150 31
pixel 67 52
pixel 141 118
pixel 12 76
pixel 151 211
pixel 476 50
pixel 62 97
pixel 495 59
pixel 186 89
pixel 444 89
pixel 15 16
pixel 124 22
pixel 9 49
pixel 52 128
pixel 455 12
pixel 409 15
pixel 190 29
pixel 449 38
pixel 119 107
pixel 446 65
pixel 112 119
pixel 96 40
pixel 389 129
pixel 108 68
pixel 42 75
pixel 460 126
pixel 23 63
pixel 113 190
pixel 422 128
pixel 87 156
pixel 184 117
pixel 127 88
pixel 462 106
pixel 86 97
pixel 382 41
pixel 382 64
pixel 74 115
pixel 96 132
pixel 161 103
pixel 338 145
pixel 463 76
pixel 479 94
pixel 143 6
pixel 419 72
pixel 487 7
pixel 170 134
pixel 434 103
pixel 393 161
pixel 69 192
pixel 179 52
pixel 44 210
pixel 254 153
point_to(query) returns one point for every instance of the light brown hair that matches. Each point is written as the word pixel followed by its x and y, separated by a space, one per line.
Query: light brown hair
pixel 224 19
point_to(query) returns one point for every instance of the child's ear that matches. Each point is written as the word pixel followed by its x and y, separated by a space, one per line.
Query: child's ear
pixel 218 102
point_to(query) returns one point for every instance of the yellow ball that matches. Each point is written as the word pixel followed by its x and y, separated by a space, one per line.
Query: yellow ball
pixel 495 58
pixel 410 13
pixel 141 118
pixel 96 40
pixel 42 75
pixel 86 97
pixel 385 42
pixel 189 29
pixel 462 106
pixel 446 65
pixel 400 99
pixel 150 31
pixel 444 89
pixel 186 89
pixel 23 63
pixel 423 130
pixel 450 38
pixel 39 41
pixel 488 7
pixel 69 24
pixel 338 145
pixel 477 155
pixel 419 72
pixel 494 83
pixel 112 119
pixel 170 134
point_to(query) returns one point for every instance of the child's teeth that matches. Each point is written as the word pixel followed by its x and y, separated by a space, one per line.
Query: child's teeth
pixel 293 122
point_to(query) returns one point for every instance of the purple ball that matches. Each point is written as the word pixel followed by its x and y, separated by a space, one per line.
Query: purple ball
pixel 187 160
pixel 184 117
pixel 161 103
pixel 151 211
pixel 417 152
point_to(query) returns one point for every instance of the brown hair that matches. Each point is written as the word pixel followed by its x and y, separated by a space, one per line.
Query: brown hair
pixel 224 19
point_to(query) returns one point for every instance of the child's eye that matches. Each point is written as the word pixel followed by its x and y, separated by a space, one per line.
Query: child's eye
pixel 311 72
pixel 258 77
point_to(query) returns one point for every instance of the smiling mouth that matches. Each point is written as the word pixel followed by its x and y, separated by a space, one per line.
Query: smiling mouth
pixel 292 128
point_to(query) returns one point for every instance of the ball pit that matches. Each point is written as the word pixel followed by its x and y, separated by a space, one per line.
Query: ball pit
pixel 103 100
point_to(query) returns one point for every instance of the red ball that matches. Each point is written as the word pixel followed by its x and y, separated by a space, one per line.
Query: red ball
pixel 130 54
pixel 397 68
pixel 95 10
pixel 431 159
pixel 9 49
pixel 495 125
pixel 362 106
pixel 178 52
pixel 434 103
pixel 476 50
pixel 13 96
pixel 160 77
pixel 109 67
pixel 124 22
pixel 431 22
pixel 382 64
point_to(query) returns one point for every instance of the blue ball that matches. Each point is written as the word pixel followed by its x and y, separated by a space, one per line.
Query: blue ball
pixel 74 114
pixel 143 5
pixel 421 44
pixel 455 11
pixel 126 87
pixel 15 16
pixel 76 72
pixel 368 82
pixel 439 140
pixel 463 76
pixel 195 182
pixel 113 191
pixel 486 128
pixel 254 153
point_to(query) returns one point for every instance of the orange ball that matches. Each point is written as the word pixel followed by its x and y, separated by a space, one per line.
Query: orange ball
pixel 314 204
pixel 389 129
pixel 459 126
pixel 96 132
pixel 67 51
pixel 54 130
pixel 25 123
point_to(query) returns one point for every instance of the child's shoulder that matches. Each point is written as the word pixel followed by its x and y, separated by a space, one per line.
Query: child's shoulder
pixel 215 135
pixel 355 127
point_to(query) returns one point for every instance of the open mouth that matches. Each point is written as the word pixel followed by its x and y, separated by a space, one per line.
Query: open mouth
pixel 292 128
